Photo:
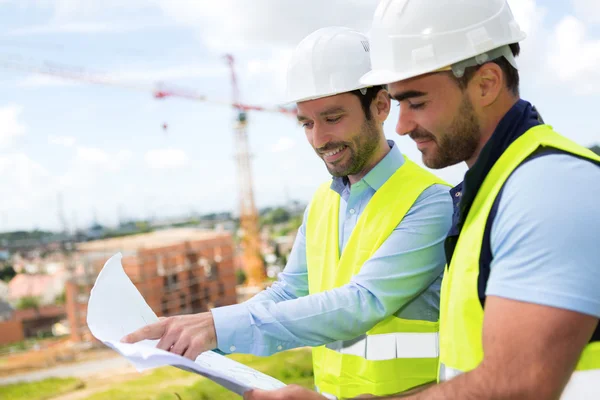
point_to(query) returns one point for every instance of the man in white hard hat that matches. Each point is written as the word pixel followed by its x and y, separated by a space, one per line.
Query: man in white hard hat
pixel 362 282
pixel 521 295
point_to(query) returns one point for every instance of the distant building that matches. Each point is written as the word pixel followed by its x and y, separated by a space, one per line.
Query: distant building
pixel 16 325
pixel 6 311
pixel 177 271
pixel 96 231
pixel 32 262
pixel 46 288
pixel 3 291
pixel 39 321
pixel 11 330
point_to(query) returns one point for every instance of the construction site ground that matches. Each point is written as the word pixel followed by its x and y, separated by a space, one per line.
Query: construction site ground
pixel 100 373
pixel 50 354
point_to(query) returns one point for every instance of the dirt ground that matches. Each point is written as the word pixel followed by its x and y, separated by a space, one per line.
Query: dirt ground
pixel 59 353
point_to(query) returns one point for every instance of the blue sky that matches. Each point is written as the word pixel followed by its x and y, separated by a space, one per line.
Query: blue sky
pixel 103 148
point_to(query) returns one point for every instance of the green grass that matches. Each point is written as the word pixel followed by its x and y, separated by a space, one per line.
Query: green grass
pixel 41 390
pixel 158 384
pixel 288 367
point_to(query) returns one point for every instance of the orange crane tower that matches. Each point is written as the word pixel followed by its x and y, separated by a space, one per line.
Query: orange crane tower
pixel 249 225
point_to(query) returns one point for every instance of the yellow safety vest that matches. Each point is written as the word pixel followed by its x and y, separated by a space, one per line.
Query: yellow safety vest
pixel 396 354
pixel 461 313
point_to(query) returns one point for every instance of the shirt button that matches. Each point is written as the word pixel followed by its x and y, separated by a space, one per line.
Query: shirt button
pixel 279 347
pixel 232 348
pixel 352 211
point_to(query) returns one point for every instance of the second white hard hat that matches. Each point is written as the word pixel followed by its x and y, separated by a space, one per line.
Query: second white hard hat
pixel 327 62
pixel 415 37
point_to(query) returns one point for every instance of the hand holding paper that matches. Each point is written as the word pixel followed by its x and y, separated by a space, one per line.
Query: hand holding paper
pixel 116 308
pixel 186 335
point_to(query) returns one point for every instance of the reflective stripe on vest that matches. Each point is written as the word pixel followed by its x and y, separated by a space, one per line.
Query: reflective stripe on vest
pixel 446 373
pixel 396 354
pixel 461 313
pixel 388 346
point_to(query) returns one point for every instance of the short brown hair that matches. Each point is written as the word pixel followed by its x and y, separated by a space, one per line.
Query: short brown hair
pixel 367 98
pixel 511 74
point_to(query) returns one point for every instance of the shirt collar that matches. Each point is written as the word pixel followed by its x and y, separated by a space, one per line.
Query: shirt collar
pixel 376 177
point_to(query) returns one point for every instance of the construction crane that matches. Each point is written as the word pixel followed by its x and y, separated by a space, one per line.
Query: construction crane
pixel 250 238
pixel 249 224
pixel 158 90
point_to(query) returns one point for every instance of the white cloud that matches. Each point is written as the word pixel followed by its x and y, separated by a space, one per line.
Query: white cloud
pixel 530 17
pixel 565 53
pixel 94 158
pixel 66 141
pixel 89 166
pixel 576 56
pixel 72 27
pixel 172 73
pixel 11 126
pixel 588 10
pixel 166 158
pixel 275 68
pixel 39 81
pixel 124 155
pixel 25 180
pixel 234 23
pixel 528 14
pixel 283 144
pixel 130 76
pixel 93 155
pixel 222 24
pixel 68 10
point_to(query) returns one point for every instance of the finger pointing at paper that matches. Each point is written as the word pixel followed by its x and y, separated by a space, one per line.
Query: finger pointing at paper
pixel 186 335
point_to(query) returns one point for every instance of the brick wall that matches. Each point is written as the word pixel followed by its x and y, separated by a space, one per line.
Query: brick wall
pixel 187 277
pixel 11 332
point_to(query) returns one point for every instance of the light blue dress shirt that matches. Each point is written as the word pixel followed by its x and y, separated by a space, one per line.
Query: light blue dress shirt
pixel 402 278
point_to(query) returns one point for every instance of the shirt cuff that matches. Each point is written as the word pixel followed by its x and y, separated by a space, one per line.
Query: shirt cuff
pixel 234 331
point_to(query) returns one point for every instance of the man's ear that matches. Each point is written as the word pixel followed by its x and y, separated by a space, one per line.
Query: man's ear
pixel 487 84
pixel 380 106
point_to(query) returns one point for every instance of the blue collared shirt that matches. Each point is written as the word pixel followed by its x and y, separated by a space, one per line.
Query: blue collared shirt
pixel 544 234
pixel 544 237
pixel 402 278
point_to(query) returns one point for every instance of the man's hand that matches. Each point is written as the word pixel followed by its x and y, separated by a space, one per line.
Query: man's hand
pixel 291 392
pixel 186 335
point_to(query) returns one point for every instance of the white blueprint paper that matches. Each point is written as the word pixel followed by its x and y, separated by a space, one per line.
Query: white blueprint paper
pixel 116 308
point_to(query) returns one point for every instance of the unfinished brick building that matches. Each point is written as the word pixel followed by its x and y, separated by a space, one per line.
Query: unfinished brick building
pixel 177 271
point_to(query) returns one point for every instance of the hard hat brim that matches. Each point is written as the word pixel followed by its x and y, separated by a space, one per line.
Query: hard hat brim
pixel 321 96
pixel 380 77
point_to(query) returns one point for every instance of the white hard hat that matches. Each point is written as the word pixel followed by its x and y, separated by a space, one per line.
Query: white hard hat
pixel 329 61
pixel 415 37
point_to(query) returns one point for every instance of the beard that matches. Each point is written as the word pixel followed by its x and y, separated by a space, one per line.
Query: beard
pixel 359 151
pixel 457 144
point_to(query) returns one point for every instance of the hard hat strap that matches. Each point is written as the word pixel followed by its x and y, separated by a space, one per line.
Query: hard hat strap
pixel 459 68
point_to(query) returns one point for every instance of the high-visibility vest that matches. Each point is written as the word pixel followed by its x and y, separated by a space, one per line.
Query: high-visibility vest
pixel 461 312
pixel 396 354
